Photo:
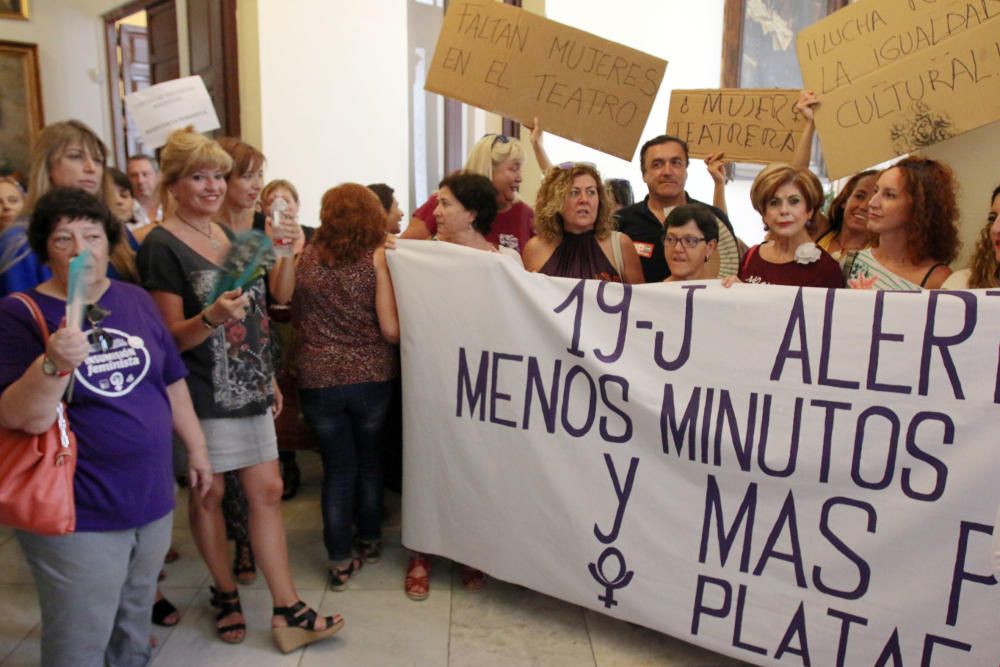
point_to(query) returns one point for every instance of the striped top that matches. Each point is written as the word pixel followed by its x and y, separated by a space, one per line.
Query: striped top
pixel 867 273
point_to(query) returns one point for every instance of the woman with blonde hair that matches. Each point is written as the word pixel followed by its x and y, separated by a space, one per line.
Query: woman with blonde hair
pixel 498 158
pixel 225 343
pixel 576 235
pixel 67 154
pixel 787 199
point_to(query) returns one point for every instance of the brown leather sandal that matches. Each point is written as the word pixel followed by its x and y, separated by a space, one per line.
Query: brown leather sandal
pixel 418 586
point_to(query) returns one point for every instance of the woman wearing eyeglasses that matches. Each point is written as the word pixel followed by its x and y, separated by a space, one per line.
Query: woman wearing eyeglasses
pixel 96 585
pixel 498 158
pixel 787 198
pixel 576 235
pixel 691 236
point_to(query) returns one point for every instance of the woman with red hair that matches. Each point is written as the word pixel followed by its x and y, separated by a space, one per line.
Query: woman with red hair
pixel 914 212
pixel 344 312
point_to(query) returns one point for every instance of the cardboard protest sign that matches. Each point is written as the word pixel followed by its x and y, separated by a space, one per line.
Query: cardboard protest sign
pixel 512 62
pixel 895 76
pixel 789 476
pixel 159 110
pixel 750 125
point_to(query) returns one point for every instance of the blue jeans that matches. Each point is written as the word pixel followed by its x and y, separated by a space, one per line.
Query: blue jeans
pixel 348 421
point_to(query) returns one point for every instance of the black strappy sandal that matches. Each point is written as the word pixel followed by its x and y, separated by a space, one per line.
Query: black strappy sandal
pixel 228 603
pixel 301 629
pixel 162 610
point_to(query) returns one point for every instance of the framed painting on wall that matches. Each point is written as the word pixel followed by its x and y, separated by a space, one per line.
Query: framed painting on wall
pixel 14 9
pixel 758 49
pixel 20 106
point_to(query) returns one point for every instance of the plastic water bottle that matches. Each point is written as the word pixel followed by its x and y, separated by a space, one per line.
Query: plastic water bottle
pixel 282 244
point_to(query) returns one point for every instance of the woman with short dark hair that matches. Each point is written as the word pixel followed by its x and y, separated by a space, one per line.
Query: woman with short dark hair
pixel 96 585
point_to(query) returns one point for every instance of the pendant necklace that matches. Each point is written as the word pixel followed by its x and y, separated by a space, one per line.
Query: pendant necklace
pixel 211 238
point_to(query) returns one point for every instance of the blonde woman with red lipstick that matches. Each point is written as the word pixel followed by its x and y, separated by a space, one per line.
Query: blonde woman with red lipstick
pixel 226 346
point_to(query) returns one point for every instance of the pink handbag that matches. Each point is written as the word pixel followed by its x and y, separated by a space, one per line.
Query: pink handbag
pixel 36 470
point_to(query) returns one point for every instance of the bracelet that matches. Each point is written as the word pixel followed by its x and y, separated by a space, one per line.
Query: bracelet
pixel 207 323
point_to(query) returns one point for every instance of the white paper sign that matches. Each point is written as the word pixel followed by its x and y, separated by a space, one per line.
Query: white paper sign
pixel 786 476
pixel 159 110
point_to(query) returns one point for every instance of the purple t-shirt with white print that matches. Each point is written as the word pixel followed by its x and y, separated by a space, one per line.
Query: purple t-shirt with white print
pixel 120 412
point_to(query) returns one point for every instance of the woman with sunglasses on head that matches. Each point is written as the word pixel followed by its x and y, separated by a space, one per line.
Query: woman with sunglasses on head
pixel 498 158
pixel 914 213
pixel 124 383
pixel 225 342
pixel 576 237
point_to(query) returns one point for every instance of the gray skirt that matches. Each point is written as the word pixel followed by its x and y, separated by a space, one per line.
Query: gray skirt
pixel 240 442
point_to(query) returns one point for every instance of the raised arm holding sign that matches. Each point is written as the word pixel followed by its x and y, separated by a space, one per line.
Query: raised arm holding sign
pixel 509 61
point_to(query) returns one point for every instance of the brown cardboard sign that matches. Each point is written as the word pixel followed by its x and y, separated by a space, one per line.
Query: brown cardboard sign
pixel 894 76
pixel 509 61
pixel 749 124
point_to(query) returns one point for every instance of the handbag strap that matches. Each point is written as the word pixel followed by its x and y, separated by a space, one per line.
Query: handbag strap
pixel 36 312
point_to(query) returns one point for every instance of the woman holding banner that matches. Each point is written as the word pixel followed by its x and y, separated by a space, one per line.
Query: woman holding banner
pixel 690 237
pixel 576 235
pixel 498 158
pixel 914 212
pixel 985 268
pixel 225 343
pixel 466 209
pixel 787 198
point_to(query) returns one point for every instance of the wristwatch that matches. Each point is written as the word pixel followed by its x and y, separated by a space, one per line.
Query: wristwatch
pixel 49 368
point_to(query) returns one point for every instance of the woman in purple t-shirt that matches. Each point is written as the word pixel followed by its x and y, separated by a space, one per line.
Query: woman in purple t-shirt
pixel 96 585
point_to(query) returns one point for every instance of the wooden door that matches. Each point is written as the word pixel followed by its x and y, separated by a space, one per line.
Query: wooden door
pixel 212 43
pixel 133 43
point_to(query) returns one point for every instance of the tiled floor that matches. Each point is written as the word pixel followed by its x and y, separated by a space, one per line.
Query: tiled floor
pixel 502 625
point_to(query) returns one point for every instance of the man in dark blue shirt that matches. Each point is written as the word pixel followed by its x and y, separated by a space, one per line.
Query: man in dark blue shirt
pixel 664 161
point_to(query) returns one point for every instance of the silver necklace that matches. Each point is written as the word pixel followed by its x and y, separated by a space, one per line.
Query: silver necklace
pixel 211 238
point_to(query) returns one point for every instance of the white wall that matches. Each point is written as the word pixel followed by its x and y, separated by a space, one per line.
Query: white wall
pixel 333 95
pixel 973 156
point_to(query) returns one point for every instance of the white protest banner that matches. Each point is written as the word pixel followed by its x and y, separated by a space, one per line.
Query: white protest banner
pixel 783 475
pixel 894 76
pixel 159 110
pixel 748 124
pixel 510 61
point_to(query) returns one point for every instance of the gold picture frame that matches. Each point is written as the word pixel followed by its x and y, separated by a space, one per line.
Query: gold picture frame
pixel 21 117
pixel 14 9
